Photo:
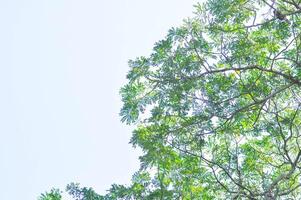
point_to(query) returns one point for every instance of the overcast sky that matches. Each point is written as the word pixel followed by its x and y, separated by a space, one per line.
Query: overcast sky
pixel 62 63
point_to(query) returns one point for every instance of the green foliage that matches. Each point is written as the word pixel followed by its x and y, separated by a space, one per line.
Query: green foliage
pixel 75 191
pixel 217 106
pixel 84 193
pixel 54 194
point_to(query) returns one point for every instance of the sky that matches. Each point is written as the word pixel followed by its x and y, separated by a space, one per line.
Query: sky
pixel 62 63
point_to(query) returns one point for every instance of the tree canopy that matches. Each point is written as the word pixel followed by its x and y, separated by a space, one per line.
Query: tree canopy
pixel 217 106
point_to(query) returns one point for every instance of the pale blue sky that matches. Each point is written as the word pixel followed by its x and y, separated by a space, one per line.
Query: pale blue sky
pixel 62 63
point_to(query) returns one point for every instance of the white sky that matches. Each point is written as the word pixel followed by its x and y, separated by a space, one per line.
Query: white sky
pixel 62 63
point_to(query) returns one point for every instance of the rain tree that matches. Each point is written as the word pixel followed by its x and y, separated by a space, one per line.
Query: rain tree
pixel 217 104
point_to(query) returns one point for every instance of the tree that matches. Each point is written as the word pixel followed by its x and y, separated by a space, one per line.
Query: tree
pixel 217 103
pixel 217 106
